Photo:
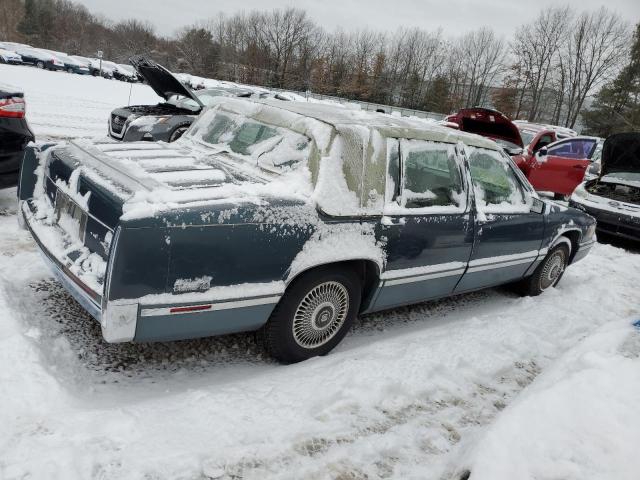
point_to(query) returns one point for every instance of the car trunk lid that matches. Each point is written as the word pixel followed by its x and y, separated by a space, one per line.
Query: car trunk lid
pixel 488 123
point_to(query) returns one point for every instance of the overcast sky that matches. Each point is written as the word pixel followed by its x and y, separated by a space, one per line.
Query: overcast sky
pixel 452 15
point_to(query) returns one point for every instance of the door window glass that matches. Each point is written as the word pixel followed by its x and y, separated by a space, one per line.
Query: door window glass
pixel 431 175
pixel 573 149
pixel 495 183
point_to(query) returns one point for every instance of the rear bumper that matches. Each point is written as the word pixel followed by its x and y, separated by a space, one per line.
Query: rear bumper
pixel 174 317
pixel 84 295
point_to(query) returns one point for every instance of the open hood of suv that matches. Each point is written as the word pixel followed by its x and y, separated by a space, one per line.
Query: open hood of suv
pixel 621 153
pixel 488 123
pixel 160 79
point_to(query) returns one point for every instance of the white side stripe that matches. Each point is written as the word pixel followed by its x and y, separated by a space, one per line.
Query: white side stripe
pixel 420 278
pixel 480 268
pixel 153 312
pixel 504 258
pixel 478 265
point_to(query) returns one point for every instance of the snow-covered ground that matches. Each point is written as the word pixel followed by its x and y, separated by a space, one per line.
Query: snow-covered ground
pixel 502 386
pixel 62 105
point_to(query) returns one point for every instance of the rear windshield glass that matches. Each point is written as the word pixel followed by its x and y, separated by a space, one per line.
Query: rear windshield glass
pixel 267 146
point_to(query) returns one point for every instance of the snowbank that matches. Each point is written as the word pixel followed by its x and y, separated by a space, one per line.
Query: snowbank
pixel 63 105
pixel 578 420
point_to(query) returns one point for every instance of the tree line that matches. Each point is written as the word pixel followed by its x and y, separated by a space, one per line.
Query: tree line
pixel 547 72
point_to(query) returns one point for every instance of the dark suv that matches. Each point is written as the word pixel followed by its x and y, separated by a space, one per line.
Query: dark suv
pixel 14 134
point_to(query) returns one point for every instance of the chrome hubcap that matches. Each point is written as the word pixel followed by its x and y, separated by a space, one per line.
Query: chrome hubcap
pixel 320 314
pixel 552 270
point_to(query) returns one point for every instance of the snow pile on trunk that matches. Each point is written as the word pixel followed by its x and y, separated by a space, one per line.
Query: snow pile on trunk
pixel 578 420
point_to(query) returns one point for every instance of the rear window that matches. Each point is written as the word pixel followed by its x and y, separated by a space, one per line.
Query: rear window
pixel 267 146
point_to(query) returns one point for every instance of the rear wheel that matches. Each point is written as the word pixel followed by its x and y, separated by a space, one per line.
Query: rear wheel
pixel 69 70
pixel 40 64
pixel 548 273
pixel 314 314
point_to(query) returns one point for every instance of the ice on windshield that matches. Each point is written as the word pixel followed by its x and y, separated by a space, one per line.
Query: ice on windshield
pixel 268 146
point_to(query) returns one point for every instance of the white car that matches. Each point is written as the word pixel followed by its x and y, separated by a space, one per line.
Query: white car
pixel 12 58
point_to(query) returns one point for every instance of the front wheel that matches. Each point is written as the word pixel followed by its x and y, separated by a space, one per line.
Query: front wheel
pixel 314 314
pixel 548 273
pixel 177 133
pixel 40 64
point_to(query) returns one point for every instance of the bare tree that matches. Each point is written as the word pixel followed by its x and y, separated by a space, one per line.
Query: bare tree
pixel 535 47
pixel 480 58
pixel 595 50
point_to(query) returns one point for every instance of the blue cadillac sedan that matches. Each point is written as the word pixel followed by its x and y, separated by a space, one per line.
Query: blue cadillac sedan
pixel 288 218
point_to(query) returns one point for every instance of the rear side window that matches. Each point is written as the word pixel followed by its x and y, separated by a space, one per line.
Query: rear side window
pixel 425 175
pixel 495 184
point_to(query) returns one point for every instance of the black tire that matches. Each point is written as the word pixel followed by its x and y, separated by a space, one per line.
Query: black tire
pixel 548 273
pixel 95 73
pixel 314 314
pixel 69 70
pixel 561 197
pixel 40 64
pixel 177 133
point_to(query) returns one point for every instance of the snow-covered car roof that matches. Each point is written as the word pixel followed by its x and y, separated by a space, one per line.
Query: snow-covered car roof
pixel 392 126
pixel 348 164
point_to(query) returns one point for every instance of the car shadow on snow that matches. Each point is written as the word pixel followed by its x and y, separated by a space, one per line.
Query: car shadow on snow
pixel 71 340
pixel 628 245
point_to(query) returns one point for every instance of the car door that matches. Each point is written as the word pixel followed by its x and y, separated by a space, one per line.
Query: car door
pixel 427 227
pixel 508 234
pixel 561 167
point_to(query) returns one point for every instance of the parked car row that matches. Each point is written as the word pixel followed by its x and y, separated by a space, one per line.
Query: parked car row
pixel 20 54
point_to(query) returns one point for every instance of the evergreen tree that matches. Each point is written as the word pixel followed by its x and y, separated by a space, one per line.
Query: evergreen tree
pixel 617 105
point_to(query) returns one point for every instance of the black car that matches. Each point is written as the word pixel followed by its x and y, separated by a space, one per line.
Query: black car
pixel 614 197
pixel 14 134
pixel 39 58
pixel 165 121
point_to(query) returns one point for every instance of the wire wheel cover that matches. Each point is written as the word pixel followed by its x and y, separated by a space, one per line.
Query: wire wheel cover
pixel 553 268
pixel 320 314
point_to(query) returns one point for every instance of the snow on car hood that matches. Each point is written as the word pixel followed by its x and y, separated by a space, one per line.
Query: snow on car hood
pixel 488 123
pixel 621 154
pixel 163 82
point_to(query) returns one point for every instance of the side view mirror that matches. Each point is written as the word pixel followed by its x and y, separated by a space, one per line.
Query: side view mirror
pixel 537 205
pixel 542 152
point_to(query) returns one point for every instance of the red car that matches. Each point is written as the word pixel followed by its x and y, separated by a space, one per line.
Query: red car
pixel 558 167
pixel 552 158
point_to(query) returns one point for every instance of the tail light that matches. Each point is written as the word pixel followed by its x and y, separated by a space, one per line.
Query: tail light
pixel 13 107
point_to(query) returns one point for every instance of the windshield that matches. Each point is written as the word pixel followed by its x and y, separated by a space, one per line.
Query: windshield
pixel 527 136
pixel 269 147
